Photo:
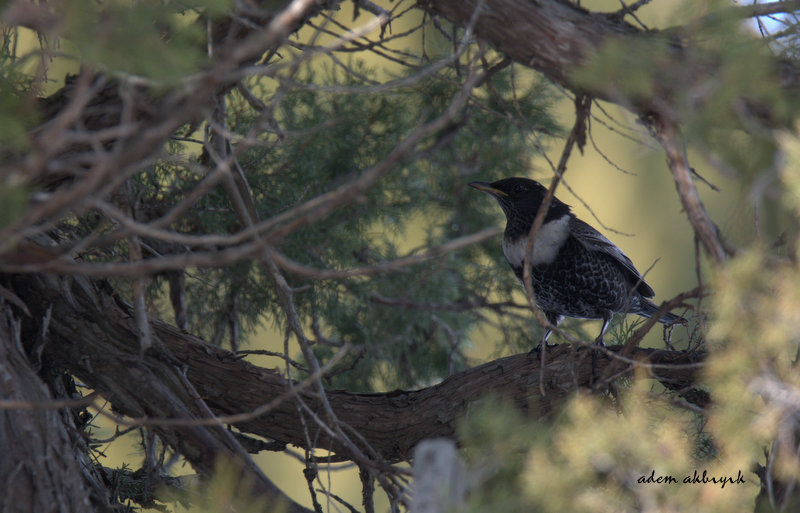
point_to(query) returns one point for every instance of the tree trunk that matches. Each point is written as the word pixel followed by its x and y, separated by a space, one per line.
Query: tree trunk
pixel 45 464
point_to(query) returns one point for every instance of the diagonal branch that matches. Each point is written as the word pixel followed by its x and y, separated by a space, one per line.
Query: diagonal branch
pixel 678 162
pixel 576 135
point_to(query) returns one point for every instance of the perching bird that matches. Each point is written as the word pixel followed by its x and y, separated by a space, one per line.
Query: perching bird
pixel 575 271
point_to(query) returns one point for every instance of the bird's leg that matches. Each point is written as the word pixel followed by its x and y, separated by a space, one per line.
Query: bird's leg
pixel 553 319
pixel 598 342
pixel 542 342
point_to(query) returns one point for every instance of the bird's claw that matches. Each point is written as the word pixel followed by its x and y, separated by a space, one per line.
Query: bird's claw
pixel 538 348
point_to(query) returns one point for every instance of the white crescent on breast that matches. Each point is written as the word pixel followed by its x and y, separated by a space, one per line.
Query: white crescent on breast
pixel 548 241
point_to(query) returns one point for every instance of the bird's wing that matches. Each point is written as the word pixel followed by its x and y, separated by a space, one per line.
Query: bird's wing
pixel 595 241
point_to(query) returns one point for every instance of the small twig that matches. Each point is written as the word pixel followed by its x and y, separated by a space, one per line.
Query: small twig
pixel 7 404
pixel 310 473
pixel 576 135
pixel 177 297
pixel 393 265
pixel 615 370
pixel 139 282
pixel 282 356
pixel 630 10
pixel 341 501
pixel 367 489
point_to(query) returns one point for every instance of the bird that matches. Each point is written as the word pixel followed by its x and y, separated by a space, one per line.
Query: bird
pixel 575 271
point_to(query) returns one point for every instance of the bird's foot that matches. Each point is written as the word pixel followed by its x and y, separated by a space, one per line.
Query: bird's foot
pixel 538 349
pixel 598 344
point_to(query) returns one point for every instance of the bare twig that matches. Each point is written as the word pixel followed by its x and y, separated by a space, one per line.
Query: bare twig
pixel 612 372
pixel 50 405
pixel 393 265
pixel 576 135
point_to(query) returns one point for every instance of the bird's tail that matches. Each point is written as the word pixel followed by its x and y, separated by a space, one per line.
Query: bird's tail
pixel 649 309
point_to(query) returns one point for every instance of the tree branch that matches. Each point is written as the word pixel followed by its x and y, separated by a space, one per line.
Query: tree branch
pixel 678 162
pixel 105 353
pixel 558 38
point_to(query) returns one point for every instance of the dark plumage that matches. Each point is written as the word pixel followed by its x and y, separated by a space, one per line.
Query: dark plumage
pixel 575 271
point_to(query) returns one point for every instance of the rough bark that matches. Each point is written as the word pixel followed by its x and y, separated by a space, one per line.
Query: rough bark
pixel 51 470
pixel 558 38
pixel 550 36
pixel 93 335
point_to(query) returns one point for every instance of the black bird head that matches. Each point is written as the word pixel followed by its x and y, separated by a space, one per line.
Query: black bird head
pixel 520 199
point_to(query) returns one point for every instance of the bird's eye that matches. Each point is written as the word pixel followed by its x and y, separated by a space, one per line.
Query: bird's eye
pixel 519 188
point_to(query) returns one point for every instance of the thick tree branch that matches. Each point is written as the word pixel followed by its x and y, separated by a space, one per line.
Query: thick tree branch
pixel 550 36
pixel 105 353
pixel 558 38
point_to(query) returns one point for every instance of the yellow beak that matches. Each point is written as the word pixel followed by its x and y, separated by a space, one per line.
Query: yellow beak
pixel 487 188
